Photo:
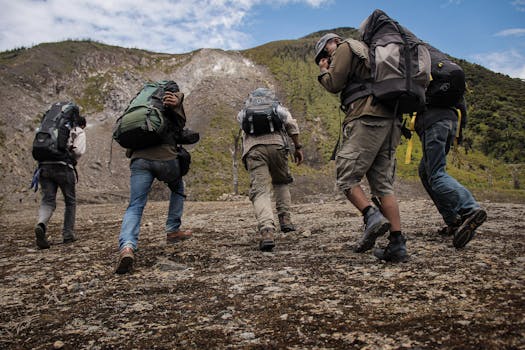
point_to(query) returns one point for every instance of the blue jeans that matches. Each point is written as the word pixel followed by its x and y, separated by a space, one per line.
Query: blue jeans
pixel 143 172
pixel 452 200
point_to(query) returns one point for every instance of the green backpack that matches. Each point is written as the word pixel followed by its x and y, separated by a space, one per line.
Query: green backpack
pixel 143 123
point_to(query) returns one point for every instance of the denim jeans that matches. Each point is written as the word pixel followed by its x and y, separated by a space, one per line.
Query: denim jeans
pixel 53 177
pixel 452 200
pixel 143 172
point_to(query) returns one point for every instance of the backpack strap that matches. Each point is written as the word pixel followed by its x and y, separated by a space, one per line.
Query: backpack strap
pixel 357 88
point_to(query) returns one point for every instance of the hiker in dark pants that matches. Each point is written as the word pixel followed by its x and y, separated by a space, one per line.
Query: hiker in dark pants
pixel 371 134
pixel 437 128
pixel 60 174
pixel 157 162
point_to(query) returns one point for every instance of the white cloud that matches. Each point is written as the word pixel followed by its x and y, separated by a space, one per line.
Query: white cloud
pixel 172 26
pixel 511 32
pixel 509 62
pixel 519 5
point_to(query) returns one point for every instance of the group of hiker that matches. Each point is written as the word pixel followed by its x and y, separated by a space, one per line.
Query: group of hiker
pixel 152 129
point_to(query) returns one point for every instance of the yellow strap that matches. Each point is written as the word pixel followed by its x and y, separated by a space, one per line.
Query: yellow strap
pixel 410 144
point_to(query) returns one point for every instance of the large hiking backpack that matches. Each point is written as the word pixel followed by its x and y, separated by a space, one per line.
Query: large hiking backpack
pixel 448 81
pixel 260 113
pixel 50 141
pixel 145 121
pixel 399 65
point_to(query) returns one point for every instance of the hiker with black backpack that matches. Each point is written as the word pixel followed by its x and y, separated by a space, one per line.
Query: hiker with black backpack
pixel 152 131
pixel 373 96
pixel 266 126
pixel 58 144
pixel 440 126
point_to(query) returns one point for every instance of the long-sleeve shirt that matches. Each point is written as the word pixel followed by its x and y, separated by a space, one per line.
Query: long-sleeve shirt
pixel 344 67
pixel 275 138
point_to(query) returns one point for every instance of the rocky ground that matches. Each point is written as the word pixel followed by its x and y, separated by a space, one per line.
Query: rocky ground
pixel 218 291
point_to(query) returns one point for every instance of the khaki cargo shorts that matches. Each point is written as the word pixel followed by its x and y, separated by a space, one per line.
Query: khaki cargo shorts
pixel 369 149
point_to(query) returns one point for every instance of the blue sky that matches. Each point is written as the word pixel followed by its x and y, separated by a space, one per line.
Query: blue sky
pixel 488 32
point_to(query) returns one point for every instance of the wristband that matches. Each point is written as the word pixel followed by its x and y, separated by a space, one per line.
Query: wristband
pixel 298 147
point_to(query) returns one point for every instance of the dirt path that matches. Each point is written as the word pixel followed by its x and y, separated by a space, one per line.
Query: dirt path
pixel 217 291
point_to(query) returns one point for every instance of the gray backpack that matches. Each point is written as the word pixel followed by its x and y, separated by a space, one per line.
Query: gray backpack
pixel 260 113
pixel 399 65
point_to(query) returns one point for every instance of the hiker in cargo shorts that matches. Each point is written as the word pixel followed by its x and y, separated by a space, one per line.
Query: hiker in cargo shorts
pixel 371 134
pixel 265 156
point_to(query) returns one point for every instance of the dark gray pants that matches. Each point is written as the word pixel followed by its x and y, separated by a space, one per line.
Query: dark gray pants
pixel 53 177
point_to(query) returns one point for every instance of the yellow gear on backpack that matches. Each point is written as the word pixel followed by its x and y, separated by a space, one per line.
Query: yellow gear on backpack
pixel 410 145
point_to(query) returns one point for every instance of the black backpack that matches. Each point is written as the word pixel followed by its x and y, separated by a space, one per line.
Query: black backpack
pixel 260 113
pixel 399 66
pixel 448 81
pixel 50 141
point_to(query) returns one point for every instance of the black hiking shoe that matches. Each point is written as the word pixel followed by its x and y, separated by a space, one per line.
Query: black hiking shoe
pixel 69 240
pixel 376 225
pixel 447 231
pixel 285 222
pixel 40 233
pixel 468 228
pixel 266 243
pixel 395 251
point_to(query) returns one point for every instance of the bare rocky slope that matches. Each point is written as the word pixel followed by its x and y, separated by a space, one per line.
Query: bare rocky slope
pixel 102 80
pixel 217 291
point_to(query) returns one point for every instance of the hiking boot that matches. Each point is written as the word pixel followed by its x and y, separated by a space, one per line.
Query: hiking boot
pixel 125 260
pixel 375 225
pixel 395 251
pixel 266 243
pixel 447 231
pixel 40 233
pixel 69 240
pixel 468 228
pixel 177 236
pixel 286 223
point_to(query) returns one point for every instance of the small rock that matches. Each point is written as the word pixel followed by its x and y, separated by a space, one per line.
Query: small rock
pixel 58 344
pixel 248 335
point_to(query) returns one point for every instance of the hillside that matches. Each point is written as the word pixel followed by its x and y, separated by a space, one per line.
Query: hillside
pixel 102 79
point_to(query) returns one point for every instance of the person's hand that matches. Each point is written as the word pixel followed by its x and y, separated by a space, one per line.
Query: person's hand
pixel 170 100
pixel 324 63
pixel 298 156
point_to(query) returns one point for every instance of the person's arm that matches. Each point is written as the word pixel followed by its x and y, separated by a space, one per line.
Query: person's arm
pixel 334 74
pixel 298 149
pixel 292 129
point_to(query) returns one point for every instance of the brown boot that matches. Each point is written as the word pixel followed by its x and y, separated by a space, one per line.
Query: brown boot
pixel 286 223
pixel 266 242
pixel 177 236
pixel 125 260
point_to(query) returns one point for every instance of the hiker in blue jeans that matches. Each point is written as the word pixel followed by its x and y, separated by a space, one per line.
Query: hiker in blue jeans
pixel 159 162
pixel 437 129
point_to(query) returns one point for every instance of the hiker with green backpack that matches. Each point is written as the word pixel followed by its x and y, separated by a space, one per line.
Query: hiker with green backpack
pixel 373 97
pixel 439 127
pixel 266 126
pixel 152 131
